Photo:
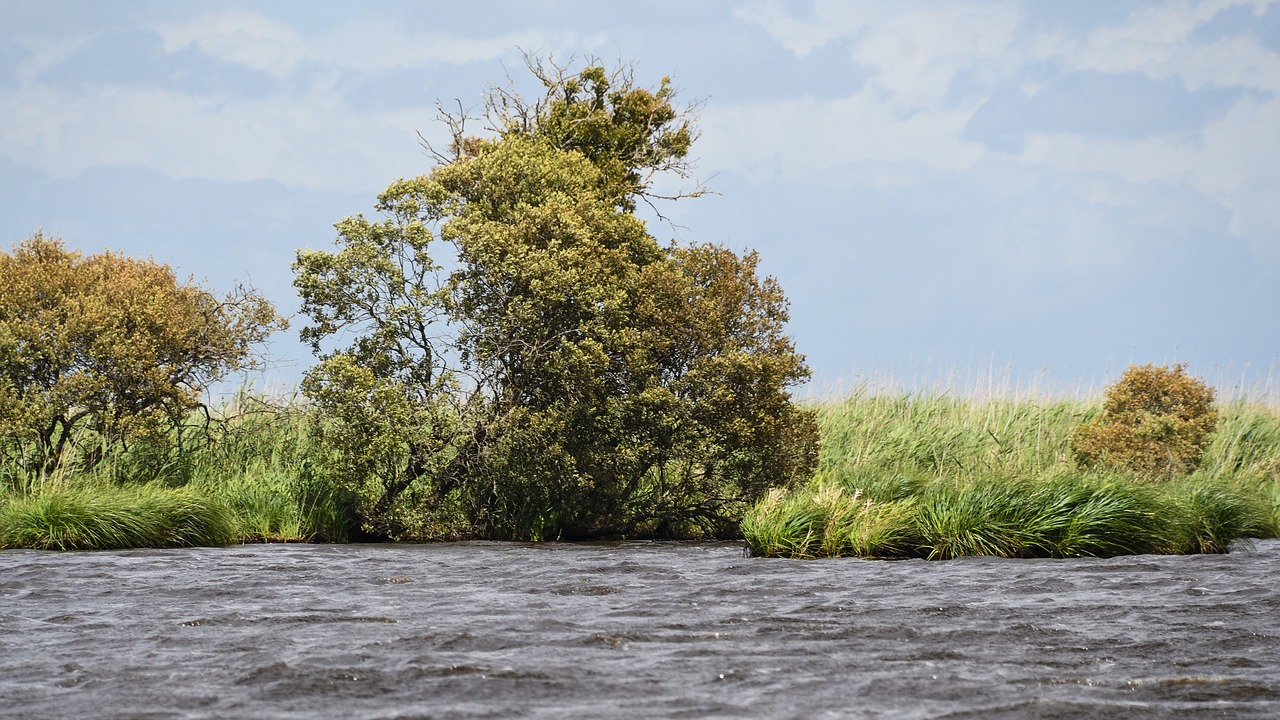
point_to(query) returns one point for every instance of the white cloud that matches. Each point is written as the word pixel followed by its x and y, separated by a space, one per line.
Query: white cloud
pixel 907 111
pixel 45 52
pixel 902 114
pixel 1157 42
pixel 1232 151
pixel 799 36
pixel 915 49
pixel 303 134
pixel 918 52
pixel 309 141
pixel 258 42
pixel 794 138
pixel 245 38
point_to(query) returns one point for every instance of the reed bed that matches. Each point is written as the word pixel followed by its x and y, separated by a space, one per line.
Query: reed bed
pixel 939 477
pixel 251 474
pixel 900 475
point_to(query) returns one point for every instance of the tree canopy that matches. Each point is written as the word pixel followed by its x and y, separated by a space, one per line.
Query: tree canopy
pixel 525 360
pixel 104 350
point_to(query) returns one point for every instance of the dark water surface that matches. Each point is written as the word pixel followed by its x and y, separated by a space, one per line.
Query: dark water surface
pixel 481 630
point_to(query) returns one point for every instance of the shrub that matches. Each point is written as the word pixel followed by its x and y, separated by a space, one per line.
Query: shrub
pixel 103 351
pixel 1155 420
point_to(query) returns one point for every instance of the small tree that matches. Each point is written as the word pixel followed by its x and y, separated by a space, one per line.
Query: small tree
pixel 567 376
pixel 107 350
pixel 1155 420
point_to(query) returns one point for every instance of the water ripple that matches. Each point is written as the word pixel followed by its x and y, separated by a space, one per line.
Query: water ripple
pixel 490 630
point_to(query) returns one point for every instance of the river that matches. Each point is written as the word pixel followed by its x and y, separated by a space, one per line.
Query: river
pixel 632 630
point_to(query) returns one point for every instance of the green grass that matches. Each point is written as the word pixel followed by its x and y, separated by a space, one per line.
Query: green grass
pixel 941 477
pixel 930 476
pixel 104 519
pixel 252 476
pixel 1083 516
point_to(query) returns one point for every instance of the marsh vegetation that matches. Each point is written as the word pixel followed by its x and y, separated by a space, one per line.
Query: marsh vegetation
pixel 508 352
pixel 900 475
pixel 939 476
pixel 248 479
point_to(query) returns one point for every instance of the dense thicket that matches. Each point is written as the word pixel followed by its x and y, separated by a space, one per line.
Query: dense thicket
pixel 527 361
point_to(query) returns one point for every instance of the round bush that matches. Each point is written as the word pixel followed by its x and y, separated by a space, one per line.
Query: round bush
pixel 1155 420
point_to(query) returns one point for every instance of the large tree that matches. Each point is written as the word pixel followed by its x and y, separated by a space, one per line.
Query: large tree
pixel 527 360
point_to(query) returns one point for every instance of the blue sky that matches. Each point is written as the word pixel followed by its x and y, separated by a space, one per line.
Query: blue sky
pixel 1052 189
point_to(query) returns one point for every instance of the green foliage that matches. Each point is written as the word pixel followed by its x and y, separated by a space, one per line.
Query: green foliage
pixel 1084 516
pixel 941 477
pixel 629 133
pixel 106 519
pixel 566 376
pixel 1155 420
pixel 105 351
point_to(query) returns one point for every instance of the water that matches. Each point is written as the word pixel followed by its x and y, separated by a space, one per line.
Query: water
pixel 481 630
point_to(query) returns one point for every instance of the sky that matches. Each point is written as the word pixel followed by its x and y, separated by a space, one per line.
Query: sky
pixel 1033 194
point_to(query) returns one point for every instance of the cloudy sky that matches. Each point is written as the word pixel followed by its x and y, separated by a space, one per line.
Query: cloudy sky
pixel 1049 189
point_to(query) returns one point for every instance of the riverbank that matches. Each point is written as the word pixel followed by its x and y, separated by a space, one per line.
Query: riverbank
pixel 941 477
pixel 900 476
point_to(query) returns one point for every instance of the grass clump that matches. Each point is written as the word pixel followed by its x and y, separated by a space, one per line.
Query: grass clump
pixel 1098 517
pixel 827 521
pixel 1213 515
pixel 1087 516
pixel 98 519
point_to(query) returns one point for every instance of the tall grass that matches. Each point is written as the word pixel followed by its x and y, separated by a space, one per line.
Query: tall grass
pixel 249 471
pixel 933 476
pixel 941 435
pixel 261 464
pixel 103 519
pixel 940 477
